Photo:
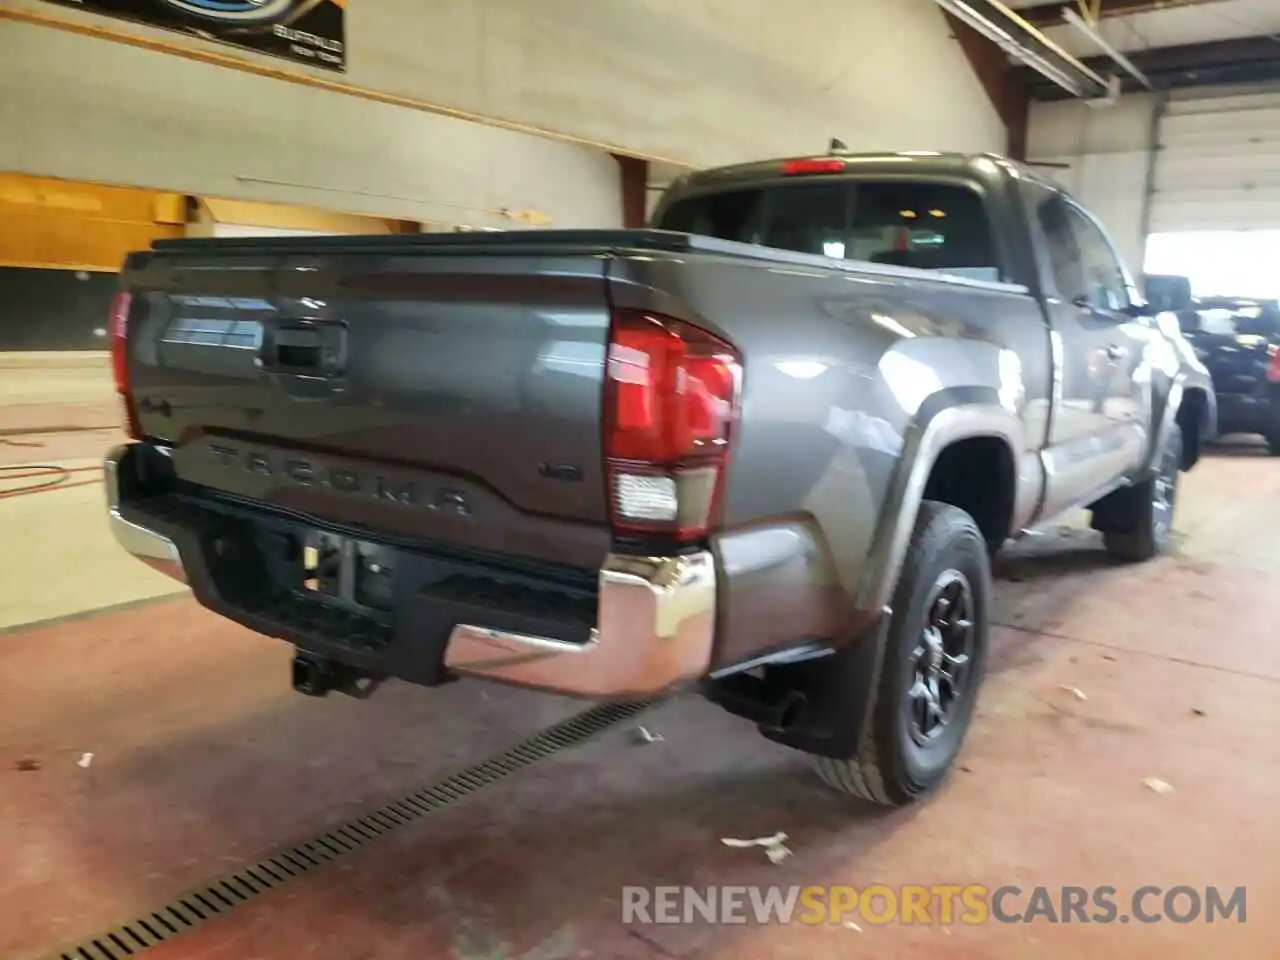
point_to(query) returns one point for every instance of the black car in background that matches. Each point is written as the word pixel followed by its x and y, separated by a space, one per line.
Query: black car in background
pixel 1238 340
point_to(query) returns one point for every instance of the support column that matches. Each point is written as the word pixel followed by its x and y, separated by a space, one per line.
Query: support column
pixel 634 182
pixel 1009 95
pixel 1153 158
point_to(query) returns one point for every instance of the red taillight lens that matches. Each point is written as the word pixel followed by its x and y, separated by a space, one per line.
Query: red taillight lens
pixel 671 399
pixel 823 165
pixel 118 333
pixel 1273 365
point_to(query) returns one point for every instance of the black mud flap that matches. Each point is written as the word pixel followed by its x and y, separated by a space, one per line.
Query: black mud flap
pixel 837 697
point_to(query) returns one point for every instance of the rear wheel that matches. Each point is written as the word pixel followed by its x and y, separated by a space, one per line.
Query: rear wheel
pixel 931 667
pixel 1272 436
pixel 1146 510
pixel 1272 432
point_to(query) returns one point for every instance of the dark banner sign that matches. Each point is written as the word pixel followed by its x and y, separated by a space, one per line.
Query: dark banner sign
pixel 306 31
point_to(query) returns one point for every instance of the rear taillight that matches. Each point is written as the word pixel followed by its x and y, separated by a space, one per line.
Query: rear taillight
pixel 118 333
pixel 1273 366
pixel 671 401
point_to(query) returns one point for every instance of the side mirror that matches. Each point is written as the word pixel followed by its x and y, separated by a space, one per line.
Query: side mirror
pixel 1168 293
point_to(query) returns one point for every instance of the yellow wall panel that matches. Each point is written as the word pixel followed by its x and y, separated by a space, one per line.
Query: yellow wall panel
pixel 61 223
pixel 74 243
pixel 247 213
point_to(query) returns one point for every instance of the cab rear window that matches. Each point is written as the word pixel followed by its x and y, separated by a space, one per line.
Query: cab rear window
pixel 929 226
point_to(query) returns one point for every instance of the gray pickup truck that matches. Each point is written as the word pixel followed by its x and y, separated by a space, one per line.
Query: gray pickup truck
pixel 764 450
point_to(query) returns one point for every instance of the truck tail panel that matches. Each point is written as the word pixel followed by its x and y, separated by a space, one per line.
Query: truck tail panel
pixel 454 396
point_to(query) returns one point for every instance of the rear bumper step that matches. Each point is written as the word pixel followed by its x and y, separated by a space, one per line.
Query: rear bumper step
pixel 152 548
pixel 654 628
pixel 654 617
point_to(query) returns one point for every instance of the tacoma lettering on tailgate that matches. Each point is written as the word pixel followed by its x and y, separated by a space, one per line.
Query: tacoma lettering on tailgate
pixel 307 473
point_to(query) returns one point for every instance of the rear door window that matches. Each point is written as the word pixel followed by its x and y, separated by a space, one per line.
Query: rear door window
pixel 1246 320
pixel 1086 269
pixel 1063 247
pixel 1106 287
pixel 928 226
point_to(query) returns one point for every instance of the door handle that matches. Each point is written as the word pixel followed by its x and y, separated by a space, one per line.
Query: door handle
pixel 1116 353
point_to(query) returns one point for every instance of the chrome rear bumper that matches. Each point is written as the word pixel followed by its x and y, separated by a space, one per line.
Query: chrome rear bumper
pixel 655 621
pixel 158 552
pixel 655 624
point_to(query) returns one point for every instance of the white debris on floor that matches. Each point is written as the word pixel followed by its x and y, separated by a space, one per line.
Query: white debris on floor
pixel 1158 786
pixel 774 847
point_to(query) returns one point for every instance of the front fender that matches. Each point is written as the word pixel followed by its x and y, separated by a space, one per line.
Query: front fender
pixel 1188 375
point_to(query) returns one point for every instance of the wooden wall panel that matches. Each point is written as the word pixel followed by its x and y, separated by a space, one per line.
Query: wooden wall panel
pixel 81 226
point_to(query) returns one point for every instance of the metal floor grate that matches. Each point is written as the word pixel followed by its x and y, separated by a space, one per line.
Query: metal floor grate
pixel 224 894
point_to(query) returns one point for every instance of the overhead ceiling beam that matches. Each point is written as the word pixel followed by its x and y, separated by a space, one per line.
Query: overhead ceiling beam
pixel 1090 30
pixel 1050 14
pixel 1002 26
pixel 1243 60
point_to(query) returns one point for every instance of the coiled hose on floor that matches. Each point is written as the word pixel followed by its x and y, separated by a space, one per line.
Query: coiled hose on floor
pixel 46 476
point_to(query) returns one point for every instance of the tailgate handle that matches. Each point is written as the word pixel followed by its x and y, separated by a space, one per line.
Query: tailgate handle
pixel 305 348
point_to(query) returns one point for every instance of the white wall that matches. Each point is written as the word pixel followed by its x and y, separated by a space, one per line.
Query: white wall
pixel 1108 151
pixel 85 109
pixel 700 82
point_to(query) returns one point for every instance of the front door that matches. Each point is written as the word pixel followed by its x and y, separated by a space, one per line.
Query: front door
pixel 1090 433
pixel 1107 298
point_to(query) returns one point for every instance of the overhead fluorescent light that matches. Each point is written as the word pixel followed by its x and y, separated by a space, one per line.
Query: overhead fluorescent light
pixel 1090 31
pixel 1003 39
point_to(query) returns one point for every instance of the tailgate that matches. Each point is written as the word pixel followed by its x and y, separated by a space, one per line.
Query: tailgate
pixel 451 393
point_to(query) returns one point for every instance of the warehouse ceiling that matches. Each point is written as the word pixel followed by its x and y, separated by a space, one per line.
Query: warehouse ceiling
pixel 1173 43
pixel 1134 25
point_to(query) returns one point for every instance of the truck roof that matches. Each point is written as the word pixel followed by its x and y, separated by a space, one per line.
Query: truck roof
pixel 925 163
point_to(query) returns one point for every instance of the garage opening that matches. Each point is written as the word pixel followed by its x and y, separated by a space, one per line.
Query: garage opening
pixel 1215 211
pixel 1219 263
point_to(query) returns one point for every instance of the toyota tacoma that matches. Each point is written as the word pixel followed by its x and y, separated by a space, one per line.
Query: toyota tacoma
pixel 764 449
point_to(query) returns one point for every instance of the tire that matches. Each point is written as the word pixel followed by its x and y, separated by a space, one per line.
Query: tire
pixel 890 765
pixel 1272 434
pixel 1147 509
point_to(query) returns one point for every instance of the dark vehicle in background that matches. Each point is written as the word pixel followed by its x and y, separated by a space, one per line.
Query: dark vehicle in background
pixel 764 450
pixel 1238 340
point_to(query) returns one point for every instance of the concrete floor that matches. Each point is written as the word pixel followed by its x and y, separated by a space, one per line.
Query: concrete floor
pixel 204 761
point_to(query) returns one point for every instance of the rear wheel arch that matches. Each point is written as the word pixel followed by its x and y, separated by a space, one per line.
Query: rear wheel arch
pixel 932 459
pixel 979 475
